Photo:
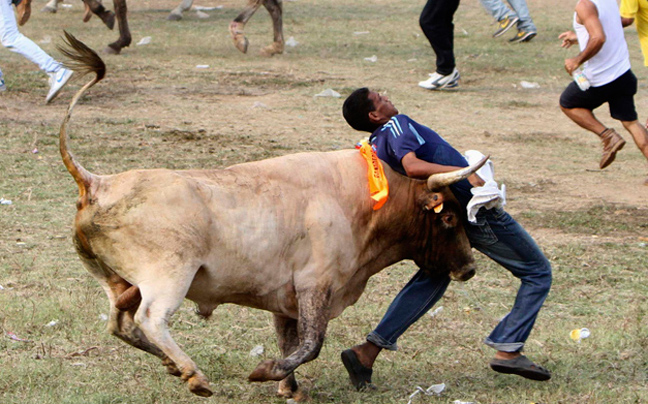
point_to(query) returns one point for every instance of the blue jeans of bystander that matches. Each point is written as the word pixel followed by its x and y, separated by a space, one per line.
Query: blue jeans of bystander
pixel 499 11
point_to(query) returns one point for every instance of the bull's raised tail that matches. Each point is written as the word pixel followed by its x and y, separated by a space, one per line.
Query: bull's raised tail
pixel 82 60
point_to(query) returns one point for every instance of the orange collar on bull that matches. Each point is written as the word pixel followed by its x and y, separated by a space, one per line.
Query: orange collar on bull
pixel 378 186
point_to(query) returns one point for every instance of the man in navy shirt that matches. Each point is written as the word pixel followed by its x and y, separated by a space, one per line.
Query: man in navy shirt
pixel 417 151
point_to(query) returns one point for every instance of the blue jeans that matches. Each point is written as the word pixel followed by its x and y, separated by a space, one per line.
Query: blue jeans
pixel 501 238
pixel 499 11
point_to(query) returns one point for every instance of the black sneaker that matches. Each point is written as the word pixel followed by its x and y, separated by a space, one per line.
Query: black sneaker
pixel 523 36
pixel 504 25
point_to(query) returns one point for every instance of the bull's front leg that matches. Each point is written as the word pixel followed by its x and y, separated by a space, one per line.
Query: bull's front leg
pixel 314 307
pixel 288 340
pixel 237 25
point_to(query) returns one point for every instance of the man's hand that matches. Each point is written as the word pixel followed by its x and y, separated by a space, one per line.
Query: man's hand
pixel 475 180
pixel 569 38
pixel 571 64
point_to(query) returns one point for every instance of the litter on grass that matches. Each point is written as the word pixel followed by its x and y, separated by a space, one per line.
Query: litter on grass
pixel 202 66
pixel 372 59
pixel 145 41
pixel 291 42
pixel 202 8
pixel 257 350
pixel 526 84
pixel 579 334
pixel 51 323
pixel 435 389
pixel 436 311
pixel 14 337
pixel 4 201
pixel 329 92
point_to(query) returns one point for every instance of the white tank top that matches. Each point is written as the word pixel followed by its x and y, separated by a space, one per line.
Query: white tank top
pixel 613 59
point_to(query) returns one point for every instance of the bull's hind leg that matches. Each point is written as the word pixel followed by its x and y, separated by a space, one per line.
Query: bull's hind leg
pixel 274 7
pixel 121 322
pixel 288 340
pixel 314 306
pixel 236 27
pixel 160 299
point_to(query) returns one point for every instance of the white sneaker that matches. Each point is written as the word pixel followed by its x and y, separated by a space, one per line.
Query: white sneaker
pixel 439 82
pixel 57 80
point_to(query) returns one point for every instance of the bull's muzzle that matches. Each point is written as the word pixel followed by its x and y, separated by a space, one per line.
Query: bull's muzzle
pixel 462 275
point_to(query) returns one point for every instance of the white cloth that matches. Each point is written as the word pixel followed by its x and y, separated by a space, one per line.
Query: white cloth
pixel 17 42
pixel 613 59
pixel 488 196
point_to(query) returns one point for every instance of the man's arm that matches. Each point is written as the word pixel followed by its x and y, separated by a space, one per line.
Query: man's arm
pixel 421 169
pixel 626 22
pixel 587 13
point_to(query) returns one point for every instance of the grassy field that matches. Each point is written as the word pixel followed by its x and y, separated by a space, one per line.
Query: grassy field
pixel 156 109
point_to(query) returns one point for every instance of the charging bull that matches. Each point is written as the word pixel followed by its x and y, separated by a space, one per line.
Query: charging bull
pixel 295 235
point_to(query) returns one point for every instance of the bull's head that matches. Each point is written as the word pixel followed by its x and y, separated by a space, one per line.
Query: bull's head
pixel 445 247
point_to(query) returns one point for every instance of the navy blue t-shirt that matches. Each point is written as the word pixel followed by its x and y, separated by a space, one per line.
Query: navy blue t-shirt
pixel 402 135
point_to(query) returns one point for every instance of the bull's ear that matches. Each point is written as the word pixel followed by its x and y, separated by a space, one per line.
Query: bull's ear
pixel 433 201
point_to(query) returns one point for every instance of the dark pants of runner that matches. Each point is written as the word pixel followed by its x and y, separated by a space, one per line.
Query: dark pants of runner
pixel 436 23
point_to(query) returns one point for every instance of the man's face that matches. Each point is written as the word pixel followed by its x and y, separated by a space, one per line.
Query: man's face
pixel 384 111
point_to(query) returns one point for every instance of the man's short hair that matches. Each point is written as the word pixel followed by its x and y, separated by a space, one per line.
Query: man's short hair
pixel 356 110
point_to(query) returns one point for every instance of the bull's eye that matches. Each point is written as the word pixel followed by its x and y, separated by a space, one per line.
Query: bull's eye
pixel 449 220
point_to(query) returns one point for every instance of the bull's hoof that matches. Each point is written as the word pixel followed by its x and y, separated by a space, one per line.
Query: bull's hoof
pixel 241 43
pixel 48 9
pixel 267 370
pixel 276 48
pixel 108 50
pixel 260 374
pixel 287 387
pixel 108 19
pixel 174 17
pixel 199 385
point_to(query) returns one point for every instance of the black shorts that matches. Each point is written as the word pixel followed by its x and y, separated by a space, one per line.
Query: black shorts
pixel 619 95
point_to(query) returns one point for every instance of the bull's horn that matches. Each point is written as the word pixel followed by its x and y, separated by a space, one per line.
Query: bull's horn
pixel 440 180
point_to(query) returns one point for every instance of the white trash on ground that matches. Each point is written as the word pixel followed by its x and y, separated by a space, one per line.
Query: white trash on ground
pixel 4 201
pixel 202 66
pixel 361 33
pixel 436 311
pixel 527 84
pixel 329 92
pixel 372 59
pixel 291 42
pixel 435 389
pixel 103 317
pixel 203 8
pixel 144 41
pixel 257 350
pixel 52 323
